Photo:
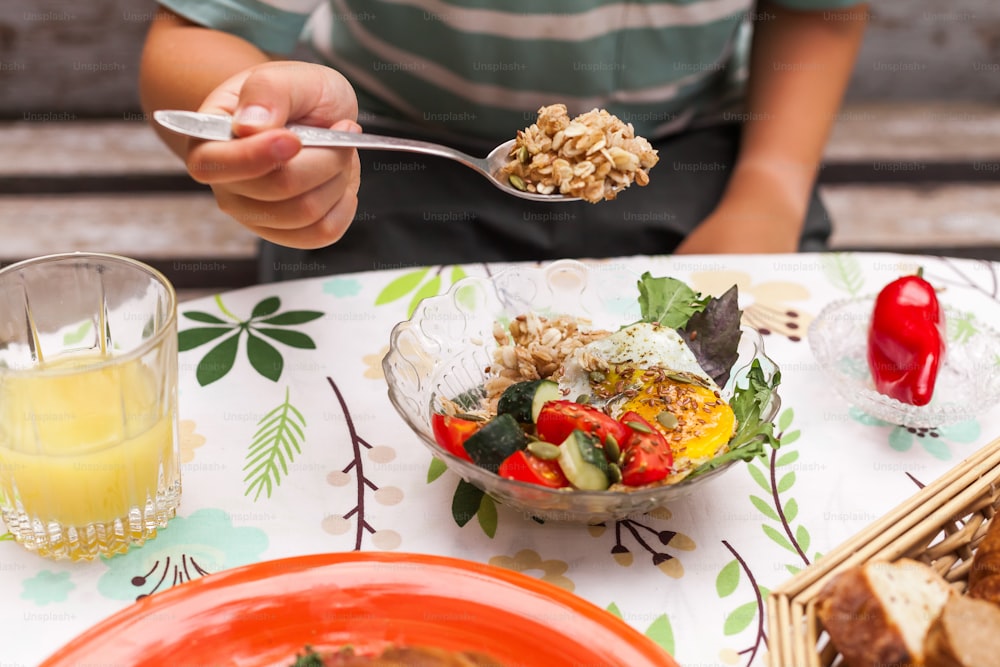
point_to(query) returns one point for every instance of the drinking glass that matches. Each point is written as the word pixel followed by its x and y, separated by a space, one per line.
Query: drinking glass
pixel 89 447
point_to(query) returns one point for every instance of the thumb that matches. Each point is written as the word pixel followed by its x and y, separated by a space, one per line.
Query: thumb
pixel 264 103
pixel 251 118
pixel 280 92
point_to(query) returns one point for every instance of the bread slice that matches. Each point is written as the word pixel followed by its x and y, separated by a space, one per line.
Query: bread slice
pixel 984 576
pixel 965 634
pixel 878 613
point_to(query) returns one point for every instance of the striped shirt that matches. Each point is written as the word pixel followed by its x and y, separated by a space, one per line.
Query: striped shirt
pixel 481 68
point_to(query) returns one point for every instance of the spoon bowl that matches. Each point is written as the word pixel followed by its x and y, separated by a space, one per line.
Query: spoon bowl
pixel 218 127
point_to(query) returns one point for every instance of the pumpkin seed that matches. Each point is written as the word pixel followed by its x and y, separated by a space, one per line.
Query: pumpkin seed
pixel 522 155
pixel 517 182
pixel 614 473
pixel 470 417
pixel 583 398
pixel 667 419
pixel 612 452
pixel 685 378
pixel 597 377
pixel 639 426
pixel 543 450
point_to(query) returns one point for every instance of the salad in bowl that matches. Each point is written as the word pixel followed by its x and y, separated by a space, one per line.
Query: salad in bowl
pixel 533 386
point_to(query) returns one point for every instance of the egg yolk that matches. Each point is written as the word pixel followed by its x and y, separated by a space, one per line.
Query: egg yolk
pixel 694 419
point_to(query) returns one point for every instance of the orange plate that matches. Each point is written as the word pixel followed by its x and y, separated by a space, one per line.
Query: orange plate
pixel 263 614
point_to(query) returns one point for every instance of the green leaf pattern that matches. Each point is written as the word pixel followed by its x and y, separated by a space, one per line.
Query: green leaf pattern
pixel 728 579
pixel 264 357
pixel 726 583
pixel 466 501
pixel 843 271
pixel 428 289
pixel 436 469
pixel 401 286
pixel 779 515
pixel 219 361
pixel 740 618
pixel 794 539
pixel 280 433
pixel 278 440
pixel 660 630
pixel 961 328
pixel 413 285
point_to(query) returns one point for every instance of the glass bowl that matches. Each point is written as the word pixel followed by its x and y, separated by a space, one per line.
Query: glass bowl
pixel 445 347
pixel 968 381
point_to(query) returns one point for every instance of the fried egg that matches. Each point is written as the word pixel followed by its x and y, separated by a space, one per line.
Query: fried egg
pixel 649 369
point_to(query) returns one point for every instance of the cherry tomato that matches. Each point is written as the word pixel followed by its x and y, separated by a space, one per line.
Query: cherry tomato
pixel 647 457
pixel 557 419
pixel 526 467
pixel 452 432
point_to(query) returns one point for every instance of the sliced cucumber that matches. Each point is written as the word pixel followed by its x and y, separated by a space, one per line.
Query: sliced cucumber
pixel 524 400
pixel 583 462
pixel 493 443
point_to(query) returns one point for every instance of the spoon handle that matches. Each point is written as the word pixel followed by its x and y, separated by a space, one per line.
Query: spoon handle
pixel 218 127
pixel 317 136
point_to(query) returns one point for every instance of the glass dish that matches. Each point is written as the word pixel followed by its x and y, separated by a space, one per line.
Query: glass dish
pixel 967 385
pixel 445 347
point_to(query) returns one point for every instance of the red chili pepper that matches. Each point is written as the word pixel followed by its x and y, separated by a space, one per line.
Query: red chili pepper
pixel 906 340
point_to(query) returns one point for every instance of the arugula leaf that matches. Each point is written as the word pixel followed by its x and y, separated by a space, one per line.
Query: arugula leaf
pixel 753 433
pixel 713 334
pixel 309 658
pixel 668 301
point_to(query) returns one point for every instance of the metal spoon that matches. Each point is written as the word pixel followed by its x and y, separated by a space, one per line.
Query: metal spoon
pixel 216 127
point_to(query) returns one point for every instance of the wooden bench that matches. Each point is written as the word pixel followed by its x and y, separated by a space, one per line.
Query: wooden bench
pixel 897 177
pixel 113 186
pixel 915 177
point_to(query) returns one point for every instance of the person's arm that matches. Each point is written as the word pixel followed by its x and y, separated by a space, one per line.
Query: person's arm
pixel 800 65
pixel 304 198
pixel 183 62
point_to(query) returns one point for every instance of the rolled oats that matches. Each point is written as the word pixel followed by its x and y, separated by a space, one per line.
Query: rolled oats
pixel 593 156
pixel 533 347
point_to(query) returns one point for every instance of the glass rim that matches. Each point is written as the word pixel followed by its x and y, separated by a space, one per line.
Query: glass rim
pixel 153 341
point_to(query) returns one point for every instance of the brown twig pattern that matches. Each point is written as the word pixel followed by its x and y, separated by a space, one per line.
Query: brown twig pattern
pixel 357 465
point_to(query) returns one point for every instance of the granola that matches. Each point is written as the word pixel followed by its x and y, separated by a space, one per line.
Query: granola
pixel 533 347
pixel 593 156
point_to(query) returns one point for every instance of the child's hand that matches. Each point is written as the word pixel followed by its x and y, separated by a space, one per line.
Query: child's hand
pixel 302 198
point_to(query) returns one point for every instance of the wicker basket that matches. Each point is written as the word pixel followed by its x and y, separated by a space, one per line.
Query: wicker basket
pixel 941 525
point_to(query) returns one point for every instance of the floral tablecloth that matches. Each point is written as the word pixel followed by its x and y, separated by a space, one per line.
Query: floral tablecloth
pixel 290 446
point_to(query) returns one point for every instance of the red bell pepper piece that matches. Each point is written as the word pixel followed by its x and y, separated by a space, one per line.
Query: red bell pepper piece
pixel 557 419
pixel 526 467
pixel 906 340
pixel 646 454
pixel 452 432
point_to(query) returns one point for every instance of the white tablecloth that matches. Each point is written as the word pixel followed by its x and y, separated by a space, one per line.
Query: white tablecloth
pixel 344 472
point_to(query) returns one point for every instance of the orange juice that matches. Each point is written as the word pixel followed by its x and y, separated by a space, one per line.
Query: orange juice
pixel 87 441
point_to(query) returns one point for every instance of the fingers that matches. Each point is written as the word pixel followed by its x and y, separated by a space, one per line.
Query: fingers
pixel 312 219
pixel 219 162
pixel 307 170
pixel 304 198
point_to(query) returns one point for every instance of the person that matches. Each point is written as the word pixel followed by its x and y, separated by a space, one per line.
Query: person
pixel 738 97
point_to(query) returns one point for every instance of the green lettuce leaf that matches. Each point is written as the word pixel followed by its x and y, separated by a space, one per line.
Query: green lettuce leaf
pixel 668 301
pixel 753 433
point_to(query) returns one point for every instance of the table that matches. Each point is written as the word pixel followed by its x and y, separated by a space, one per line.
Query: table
pixel 345 473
